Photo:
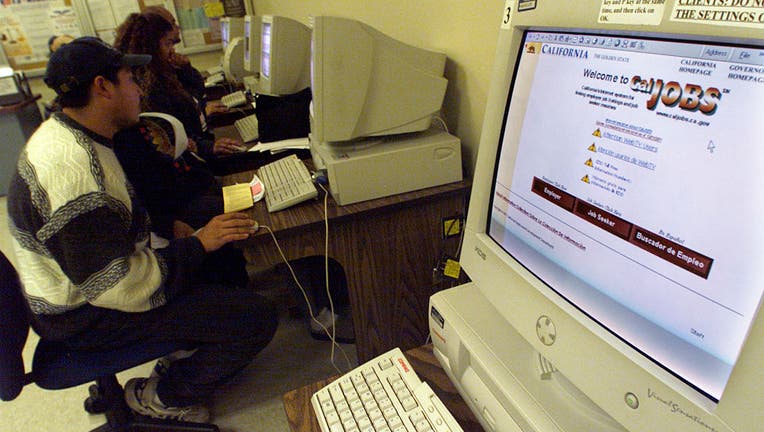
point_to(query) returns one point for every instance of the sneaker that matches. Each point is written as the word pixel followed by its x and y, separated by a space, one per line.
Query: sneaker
pixel 163 364
pixel 325 318
pixel 141 397
pixel 344 327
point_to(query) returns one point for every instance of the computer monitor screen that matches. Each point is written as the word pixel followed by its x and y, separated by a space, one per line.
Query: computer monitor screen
pixel 265 55
pixel 225 33
pixel 623 181
pixel 284 56
pixel 366 83
pixel 230 27
pixel 252 33
pixel 611 225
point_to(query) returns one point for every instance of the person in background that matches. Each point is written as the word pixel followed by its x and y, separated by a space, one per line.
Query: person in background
pixel 139 31
pixel 191 79
pixel 150 33
pixel 56 41
pixel 80 237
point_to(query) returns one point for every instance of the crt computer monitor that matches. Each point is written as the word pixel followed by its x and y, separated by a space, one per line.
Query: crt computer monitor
pixel 252 44
pixel 284 56
pixel 365 83
pixel 614 223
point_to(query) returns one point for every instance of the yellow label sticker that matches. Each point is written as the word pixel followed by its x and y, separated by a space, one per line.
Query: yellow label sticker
pixel 452 269
pixel 237 197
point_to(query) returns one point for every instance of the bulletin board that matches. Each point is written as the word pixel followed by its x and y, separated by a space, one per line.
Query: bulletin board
pixel 199 20
pixel 26 25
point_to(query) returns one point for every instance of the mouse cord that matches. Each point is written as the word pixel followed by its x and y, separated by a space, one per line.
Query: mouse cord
pixel 331 334
pixel 326 281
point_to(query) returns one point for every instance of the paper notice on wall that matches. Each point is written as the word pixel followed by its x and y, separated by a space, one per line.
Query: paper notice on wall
pixel 26 27
pixel 123 8
pixel 642 12
pixel 64 21
pixel 736 13
pixel 102 15
pixel 193 38
pixel 214 9
pixel 108 35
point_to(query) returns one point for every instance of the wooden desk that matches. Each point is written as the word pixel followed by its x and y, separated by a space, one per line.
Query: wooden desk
pixel 388 248
pixel 302 418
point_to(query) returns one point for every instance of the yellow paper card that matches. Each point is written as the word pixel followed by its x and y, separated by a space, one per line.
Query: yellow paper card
pixel 237 197
pixel 214 10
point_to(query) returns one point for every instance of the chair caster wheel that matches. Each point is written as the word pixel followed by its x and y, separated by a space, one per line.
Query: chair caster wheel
pixel 95 404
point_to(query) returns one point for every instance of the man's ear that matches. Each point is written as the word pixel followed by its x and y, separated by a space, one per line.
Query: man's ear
pixel 103 87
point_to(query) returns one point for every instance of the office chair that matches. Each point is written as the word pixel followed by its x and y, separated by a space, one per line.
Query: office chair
pixel 55 367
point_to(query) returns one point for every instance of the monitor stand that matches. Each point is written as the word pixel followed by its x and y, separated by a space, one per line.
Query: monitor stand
pixel 382 166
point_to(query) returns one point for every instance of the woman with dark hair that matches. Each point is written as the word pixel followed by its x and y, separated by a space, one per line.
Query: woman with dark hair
pixel 151 33
pixel 168 87
pixel 190 78
pixel 180 193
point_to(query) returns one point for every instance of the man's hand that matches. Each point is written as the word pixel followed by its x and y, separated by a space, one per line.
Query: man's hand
pixel 225 228
pixel 225 145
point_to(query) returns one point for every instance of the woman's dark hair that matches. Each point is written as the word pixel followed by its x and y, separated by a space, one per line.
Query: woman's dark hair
pixel 141 33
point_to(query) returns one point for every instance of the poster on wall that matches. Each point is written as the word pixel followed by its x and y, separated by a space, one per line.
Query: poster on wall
pixel 26 26
pixel 199 21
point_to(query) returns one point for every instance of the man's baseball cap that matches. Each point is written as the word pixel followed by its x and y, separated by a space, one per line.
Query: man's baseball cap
pixel 76 64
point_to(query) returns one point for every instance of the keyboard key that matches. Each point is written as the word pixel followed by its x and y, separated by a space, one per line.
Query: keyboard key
pixel 285 186
pixel 332 417
pixel 381 400
pixel 408 403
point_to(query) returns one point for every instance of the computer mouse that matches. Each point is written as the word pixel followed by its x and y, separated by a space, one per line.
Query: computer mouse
pixel 255 226
pixel 257 187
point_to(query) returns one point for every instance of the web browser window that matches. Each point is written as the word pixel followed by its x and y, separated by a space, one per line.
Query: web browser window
pixel 628 181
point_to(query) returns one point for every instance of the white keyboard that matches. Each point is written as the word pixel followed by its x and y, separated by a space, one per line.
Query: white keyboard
pixel 383 394
pixel 234 99
pixel 215 69
pixel 248 128
pixel 287 182
pixel 214 79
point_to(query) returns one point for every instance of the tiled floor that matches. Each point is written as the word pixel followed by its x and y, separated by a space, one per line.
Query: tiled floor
pixel 251 402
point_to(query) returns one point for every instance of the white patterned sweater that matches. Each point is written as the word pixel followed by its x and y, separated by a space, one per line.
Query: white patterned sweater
pixel 80 235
